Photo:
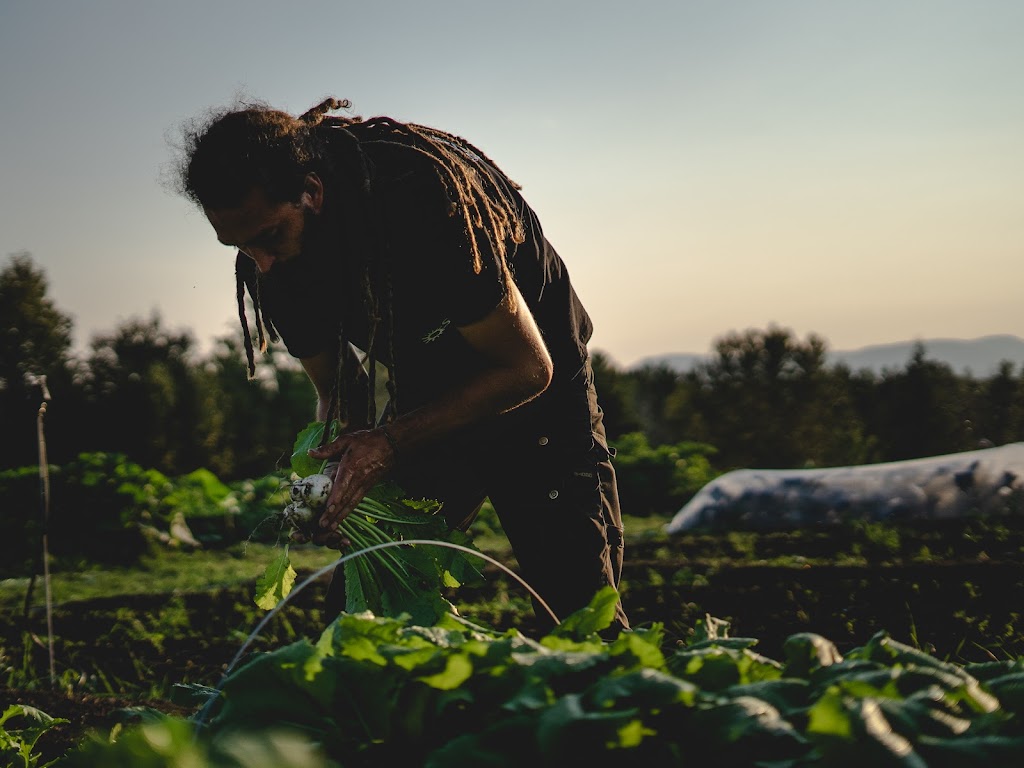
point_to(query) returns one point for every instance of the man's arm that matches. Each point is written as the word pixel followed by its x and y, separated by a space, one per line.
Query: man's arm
pixel 519 368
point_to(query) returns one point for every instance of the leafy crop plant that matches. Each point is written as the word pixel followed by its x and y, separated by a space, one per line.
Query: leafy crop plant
pixel 383 690
pixel 388 581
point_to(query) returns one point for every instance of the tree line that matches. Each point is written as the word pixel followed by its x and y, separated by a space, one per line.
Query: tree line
pixel 141 390
pixel 764 399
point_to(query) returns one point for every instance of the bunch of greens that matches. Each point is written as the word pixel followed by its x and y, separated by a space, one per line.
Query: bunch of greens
pixel 392 580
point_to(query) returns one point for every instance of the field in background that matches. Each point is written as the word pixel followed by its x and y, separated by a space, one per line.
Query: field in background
pixel 126 637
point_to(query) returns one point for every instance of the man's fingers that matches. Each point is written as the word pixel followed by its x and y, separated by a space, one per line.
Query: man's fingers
pixel 338 508
pixel 365 458
pixel 334 511
pixel 332 540
pixel 334 449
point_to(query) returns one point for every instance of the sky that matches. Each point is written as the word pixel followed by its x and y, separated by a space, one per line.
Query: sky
pixel 853 169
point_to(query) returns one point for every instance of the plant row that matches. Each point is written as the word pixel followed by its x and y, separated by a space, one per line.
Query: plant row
pixel 381 691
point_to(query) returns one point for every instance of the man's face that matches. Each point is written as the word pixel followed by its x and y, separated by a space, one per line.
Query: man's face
pixel 268 233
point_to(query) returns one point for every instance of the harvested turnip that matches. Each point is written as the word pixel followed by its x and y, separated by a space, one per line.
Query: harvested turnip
pixel 299 516
pixel 312 490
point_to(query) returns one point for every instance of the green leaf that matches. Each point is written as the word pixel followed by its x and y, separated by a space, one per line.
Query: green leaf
pixel 1009 689
pixel 273 687
pixel 913 718
pixel 642 645
pixel 168 742
pixel 747 731
pixel 23 740
pixel 972 750
pixel 302 464
pixel 807 652
pixel 714 668
pixel 710 628
pixel 457 670
pixel 361 636
pixel 590 620
pixel 736 643
pixel 882 648
pixel 643 687
pixel 276 582
pixel 986 670
pixel 856 732
pixel 788 695
pixel 828 719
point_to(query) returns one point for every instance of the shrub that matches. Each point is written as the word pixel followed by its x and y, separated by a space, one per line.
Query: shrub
pixel 659 479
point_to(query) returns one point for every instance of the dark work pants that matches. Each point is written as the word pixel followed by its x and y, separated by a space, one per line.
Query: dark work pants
pixel 555 494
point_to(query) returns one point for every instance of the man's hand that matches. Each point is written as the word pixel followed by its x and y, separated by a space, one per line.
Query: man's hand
pixel 322 538
pixel 363 459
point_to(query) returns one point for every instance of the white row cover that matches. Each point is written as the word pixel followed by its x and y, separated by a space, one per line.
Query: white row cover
pixel 983 482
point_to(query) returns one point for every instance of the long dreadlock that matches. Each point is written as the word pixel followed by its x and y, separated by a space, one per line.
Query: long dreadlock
pixel 272 149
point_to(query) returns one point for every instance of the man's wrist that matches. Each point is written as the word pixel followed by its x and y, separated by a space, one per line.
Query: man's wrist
pixel 391 441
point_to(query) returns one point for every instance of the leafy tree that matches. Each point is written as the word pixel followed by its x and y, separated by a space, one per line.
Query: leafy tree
pixel 35 338
pixel 141 396
pixel 999 409
pixel 767 400
pixel 657 480
pixel 249 426
pixel 650 389
pixel 614 395
pixel 921 410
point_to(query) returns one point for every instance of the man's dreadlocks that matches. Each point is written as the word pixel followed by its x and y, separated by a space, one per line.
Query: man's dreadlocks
pixel 256 146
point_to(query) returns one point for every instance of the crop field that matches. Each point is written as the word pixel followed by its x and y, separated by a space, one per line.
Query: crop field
pixel 954 589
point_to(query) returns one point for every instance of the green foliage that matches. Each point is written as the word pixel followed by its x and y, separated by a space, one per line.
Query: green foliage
pixel 657 480
pixel 96 505
pixel 253 507
pixel 310 437
pixel 21 521
pixel 276 581
pixel 18 745
pixel 107 509
pixel 381 691
pixel 198 494
pixel 767 399
pixel 35 340
pixel 388 580
pixel 141 395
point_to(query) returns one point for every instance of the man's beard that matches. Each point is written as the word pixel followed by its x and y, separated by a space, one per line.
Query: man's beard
pixel 312 247
pixel 314 233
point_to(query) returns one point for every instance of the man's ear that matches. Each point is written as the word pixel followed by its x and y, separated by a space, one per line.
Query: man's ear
pixel 312 193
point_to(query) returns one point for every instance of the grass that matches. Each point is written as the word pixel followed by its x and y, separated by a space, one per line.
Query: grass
pixel 165 571
pixel 172 571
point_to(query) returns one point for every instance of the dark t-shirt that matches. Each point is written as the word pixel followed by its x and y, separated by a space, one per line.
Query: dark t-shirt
pixel 433 290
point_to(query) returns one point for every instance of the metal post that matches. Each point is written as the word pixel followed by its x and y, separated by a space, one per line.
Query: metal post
pixel 44 481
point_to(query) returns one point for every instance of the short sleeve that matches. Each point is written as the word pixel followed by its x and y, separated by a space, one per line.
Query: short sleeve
pixel 426 235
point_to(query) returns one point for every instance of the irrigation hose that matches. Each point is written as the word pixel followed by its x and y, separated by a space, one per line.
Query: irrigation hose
pixel 201 717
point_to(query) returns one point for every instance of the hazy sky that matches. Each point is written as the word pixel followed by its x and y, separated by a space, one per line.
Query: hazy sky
pixel 849 168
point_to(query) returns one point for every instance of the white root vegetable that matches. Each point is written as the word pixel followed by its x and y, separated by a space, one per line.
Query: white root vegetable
pixel 299 516
pixel 312 490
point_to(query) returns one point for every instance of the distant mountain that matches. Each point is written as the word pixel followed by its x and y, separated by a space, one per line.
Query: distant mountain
pixel 980 356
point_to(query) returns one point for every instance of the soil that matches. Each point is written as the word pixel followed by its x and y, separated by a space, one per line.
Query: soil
pixel 947 589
